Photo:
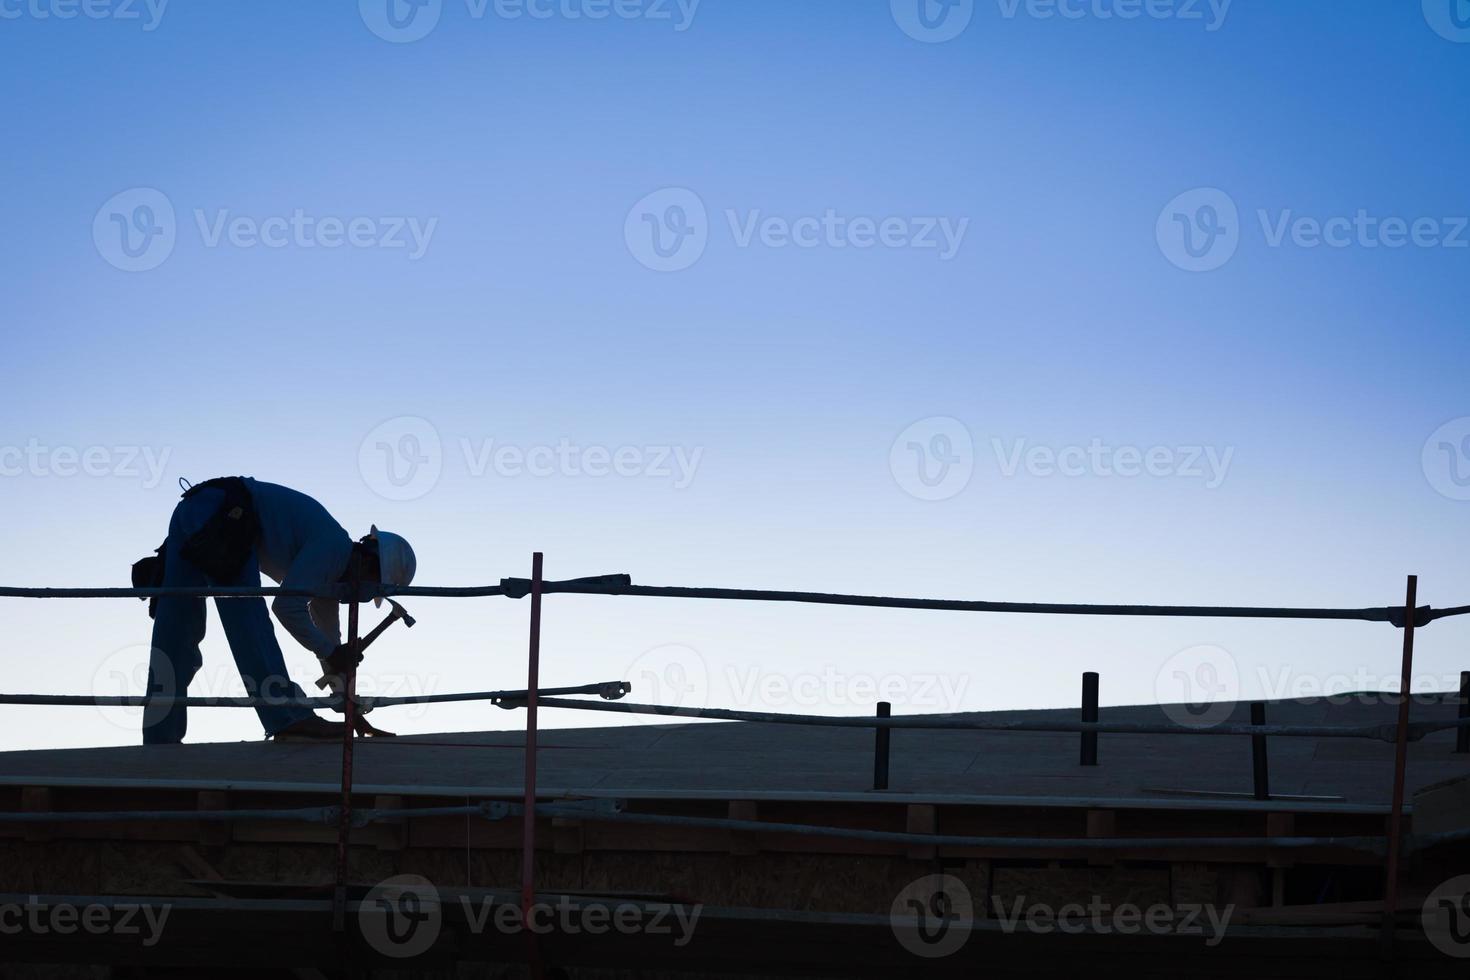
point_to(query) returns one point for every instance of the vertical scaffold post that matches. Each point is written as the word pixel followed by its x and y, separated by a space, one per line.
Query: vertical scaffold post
pixel 881 741
pixel 1400 763
pixel 528 820
pixel 344 816
pixel 1462 734
pixel 1259 771
pixel 1089 714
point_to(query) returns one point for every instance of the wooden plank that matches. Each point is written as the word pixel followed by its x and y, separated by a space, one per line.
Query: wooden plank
pixel 214 833
pixel 37 799
pixel 391 835
pixel 567 836
pixel 920 818
pixel 1102 823
pixel 742 843
pixel 1280 825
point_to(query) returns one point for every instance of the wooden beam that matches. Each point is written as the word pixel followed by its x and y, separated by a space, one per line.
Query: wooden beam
pixel 391 835
pixel 920 818
pixel 214 833
pixel 1102 823
pixel 567 836
pixel 1280 825
pixel 37 799
pixel 742 843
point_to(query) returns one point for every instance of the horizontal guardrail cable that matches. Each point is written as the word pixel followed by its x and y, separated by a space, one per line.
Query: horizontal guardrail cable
pixel 616 585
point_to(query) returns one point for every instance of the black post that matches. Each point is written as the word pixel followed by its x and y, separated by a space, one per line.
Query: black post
pixel 1089 713
pixel 1258 753
pixel 1462 734
pixel 880 748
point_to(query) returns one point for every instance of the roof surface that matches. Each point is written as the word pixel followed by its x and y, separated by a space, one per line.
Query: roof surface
pixel 769 761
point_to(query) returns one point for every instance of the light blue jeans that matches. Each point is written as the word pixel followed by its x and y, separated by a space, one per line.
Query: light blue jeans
pixel 179 627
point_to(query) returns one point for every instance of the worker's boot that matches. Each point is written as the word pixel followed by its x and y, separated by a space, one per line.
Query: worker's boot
pixel 311 728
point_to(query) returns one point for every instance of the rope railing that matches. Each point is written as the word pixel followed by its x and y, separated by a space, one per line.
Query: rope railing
pixel 1385 732
pixel 616 585
pixel 611 690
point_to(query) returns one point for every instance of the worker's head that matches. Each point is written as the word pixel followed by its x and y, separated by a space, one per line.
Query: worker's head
pixel 396 563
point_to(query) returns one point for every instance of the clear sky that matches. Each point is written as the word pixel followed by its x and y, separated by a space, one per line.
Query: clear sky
pixel 1094 301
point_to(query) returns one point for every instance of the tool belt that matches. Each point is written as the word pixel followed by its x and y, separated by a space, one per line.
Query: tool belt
pixel 148 574
pixel 222 546
pixel 219 549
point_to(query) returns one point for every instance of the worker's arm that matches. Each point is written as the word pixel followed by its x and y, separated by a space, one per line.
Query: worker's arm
pixel 320 563
pixel 324 615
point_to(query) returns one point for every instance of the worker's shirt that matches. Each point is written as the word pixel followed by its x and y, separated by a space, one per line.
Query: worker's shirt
pixel 301 546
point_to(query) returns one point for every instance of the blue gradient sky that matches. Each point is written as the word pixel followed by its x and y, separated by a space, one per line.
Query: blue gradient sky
pixel 529 320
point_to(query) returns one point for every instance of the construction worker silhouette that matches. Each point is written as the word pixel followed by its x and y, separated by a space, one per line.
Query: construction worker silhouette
pixel 226 532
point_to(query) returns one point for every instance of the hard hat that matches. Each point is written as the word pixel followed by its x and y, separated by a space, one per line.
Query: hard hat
pixel 396 563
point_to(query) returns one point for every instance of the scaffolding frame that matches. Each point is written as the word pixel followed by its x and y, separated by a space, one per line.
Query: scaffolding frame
pixel 1407 617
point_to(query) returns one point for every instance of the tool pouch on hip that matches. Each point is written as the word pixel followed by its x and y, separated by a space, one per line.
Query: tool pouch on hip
pixel 148 574
pixel 221 547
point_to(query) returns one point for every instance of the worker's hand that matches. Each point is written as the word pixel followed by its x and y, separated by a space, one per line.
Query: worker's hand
pixel 334 669
pixel 344 656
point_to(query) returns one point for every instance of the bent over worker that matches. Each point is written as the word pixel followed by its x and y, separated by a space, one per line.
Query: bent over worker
pixel 226 532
